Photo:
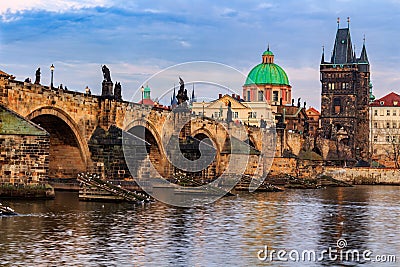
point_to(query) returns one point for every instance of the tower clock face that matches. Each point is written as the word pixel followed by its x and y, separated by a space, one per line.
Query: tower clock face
pixel 343 41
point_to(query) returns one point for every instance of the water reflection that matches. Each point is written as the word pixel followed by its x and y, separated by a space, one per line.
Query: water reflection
pixel 229 232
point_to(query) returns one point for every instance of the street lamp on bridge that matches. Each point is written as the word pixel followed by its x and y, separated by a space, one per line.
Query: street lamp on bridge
pixel 52 74
pixel 203 109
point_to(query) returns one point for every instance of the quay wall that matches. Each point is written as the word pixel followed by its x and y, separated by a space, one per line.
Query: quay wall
pixel 365 175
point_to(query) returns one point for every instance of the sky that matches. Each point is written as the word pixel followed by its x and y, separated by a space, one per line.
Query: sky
pixel 137 40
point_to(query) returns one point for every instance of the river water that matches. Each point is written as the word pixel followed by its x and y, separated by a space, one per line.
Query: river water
pixel 234 231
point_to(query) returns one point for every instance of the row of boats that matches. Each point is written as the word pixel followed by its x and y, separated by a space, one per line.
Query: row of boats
pixel 6 211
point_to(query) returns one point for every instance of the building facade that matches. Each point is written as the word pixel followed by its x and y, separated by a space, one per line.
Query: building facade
pixel 251 113
pixel 345 95
pixel 267 82
pixel 313 120
pixel 385 130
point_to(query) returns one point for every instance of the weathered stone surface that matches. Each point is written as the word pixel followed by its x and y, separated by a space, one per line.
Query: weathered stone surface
pixel 24 150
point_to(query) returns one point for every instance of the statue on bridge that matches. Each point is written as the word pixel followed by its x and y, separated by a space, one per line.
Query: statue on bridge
pixel 106 73
pixel 117 91
pixel 107 84
pixel 37 80
pixel 182 92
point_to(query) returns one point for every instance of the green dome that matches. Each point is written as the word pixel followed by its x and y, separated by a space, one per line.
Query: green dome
pixel 267 73
pixel 267 53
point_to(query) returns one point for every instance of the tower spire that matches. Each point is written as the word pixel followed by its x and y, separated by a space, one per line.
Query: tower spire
pixel 193 96
pixel 348 22
pixel 338 22
pixel 364 57
pixel 323 55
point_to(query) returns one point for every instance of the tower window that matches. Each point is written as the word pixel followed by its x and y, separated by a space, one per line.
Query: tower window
pixel 375 138
pixel 248 95
pixel 375 125
pixel 275 96
pixel 375 112
pixel 260 95
pixel 337 106
pixel 388 125
pixel 388 112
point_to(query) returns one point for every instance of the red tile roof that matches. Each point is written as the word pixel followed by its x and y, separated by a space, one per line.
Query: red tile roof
pixel 387 101
pixel 147 101
pixel 313 110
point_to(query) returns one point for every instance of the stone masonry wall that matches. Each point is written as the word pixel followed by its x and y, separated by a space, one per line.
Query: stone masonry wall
pixel 365 175
pixel 24 159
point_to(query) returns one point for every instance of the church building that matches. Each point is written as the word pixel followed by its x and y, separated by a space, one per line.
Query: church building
pixel 267 82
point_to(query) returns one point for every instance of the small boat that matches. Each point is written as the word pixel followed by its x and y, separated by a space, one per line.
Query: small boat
pixel 6 211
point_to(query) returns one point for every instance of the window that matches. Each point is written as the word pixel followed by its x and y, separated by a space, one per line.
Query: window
pixel 235 114
pixel 394 139
pixel 394 113
pixel 337 108
pixel 248 95
pixel 375 125
pixel 252 115
pixel 394 125
pixel 375 138
pixel 387 138
pixel 388 112
pixel 275 96
pixel 260 95
pixel 388 125
pixel 375 112
pixel 217 114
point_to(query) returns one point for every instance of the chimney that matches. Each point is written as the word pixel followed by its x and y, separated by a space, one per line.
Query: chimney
pixel 233 96
pixel 238 97
pixel 219 96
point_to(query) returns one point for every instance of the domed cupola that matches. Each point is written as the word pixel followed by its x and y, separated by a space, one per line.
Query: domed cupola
pixel 267 80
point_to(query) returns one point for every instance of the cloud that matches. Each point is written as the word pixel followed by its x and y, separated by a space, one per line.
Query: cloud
pixel 185 44
pixel 264 5
pixel 229 12
pixel 13 10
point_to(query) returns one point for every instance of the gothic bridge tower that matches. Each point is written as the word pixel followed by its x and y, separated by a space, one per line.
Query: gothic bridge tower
pixel 345 95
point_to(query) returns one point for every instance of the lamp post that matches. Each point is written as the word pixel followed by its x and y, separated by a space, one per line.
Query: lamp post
pixel 142 89
pixel 203 109
pixel 52 74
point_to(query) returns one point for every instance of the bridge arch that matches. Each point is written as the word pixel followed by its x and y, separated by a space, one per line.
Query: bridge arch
pixel 205 132
pixel 69 151
pixel 145 130
pixel 150 127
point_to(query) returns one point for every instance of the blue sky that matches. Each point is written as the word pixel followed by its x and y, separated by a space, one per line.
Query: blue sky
pixel 137 39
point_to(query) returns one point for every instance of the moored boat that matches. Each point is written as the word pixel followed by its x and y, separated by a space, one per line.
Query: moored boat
pixel 6 211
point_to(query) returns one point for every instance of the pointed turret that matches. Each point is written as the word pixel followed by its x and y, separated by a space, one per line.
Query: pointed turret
pixel 364 57
pixel 323 55
pixel 343 48
pixel 174 101
pixel 193 98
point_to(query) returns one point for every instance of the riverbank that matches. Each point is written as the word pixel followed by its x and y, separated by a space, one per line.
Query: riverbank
pixel 365 175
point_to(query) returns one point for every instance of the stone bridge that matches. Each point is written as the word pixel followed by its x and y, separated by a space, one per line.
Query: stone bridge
pixel 85 130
